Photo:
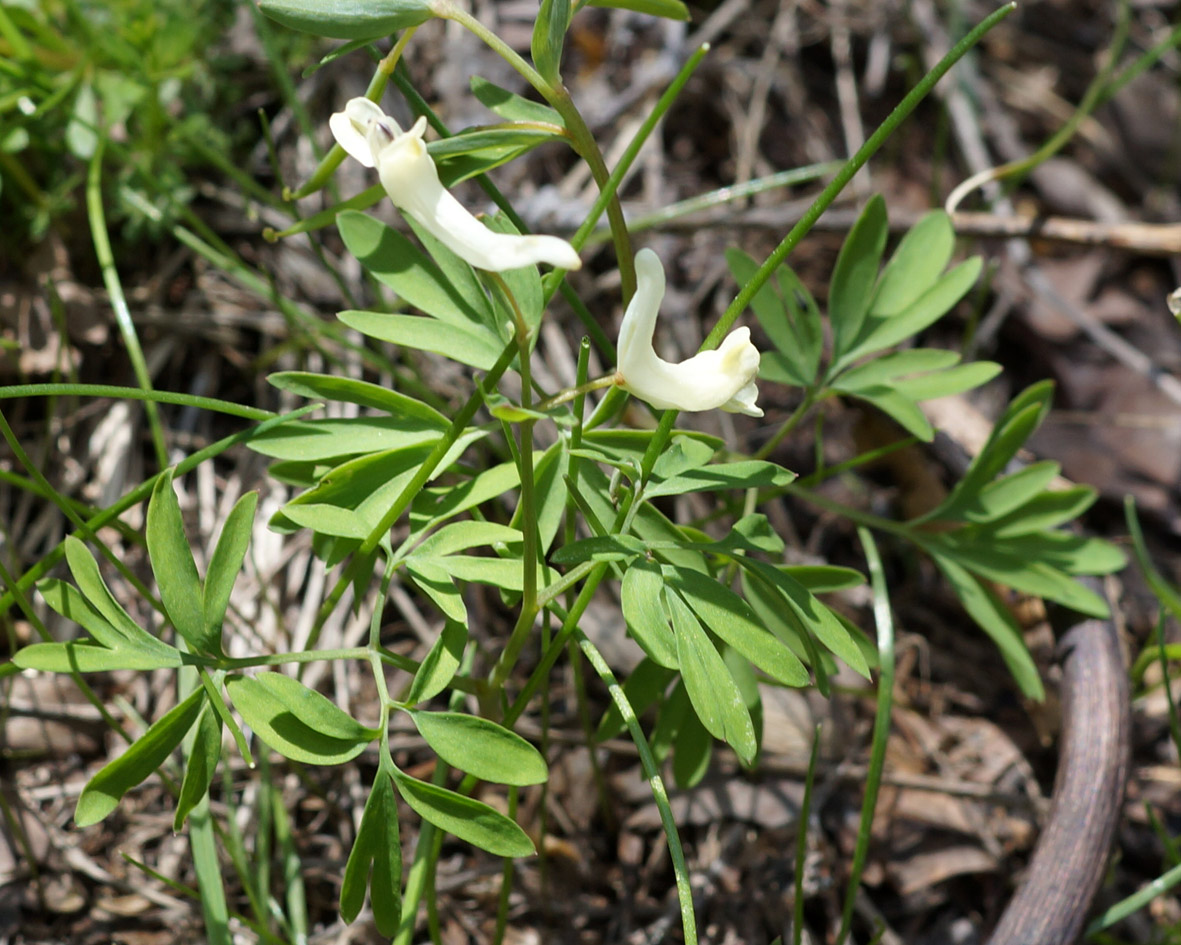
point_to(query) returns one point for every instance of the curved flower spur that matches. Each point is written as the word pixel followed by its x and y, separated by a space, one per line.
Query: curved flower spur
pixel 723 378
pixel 409 176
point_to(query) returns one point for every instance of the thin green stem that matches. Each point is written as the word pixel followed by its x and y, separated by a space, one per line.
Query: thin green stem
pixel 106 261
pixel 588 149
pixel 412 488
pixel 881 724
pixel 580 135
pixel 138 494
pixel 720 197
pixel 21 391
pixel 304 656
pixel 810 399
pixel 632 151
pixel 1090 101
pixel 655 782
pixel 846 174
pixel 571 393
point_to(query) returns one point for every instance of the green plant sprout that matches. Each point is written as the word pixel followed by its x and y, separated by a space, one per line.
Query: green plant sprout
pixel 439 499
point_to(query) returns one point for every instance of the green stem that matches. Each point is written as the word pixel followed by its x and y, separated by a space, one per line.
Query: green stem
pixel 21 391
pixel 412 488
pixel 581 139
pixel 528 517
pixel 137 495
pixel 788 425
pixel 106 261
pixel 305 656
pixel 588 149
pixel 846 174
pixel 881 724
pixel 652 773
pixel 720 197
pixel 1091 100
pixel 570 393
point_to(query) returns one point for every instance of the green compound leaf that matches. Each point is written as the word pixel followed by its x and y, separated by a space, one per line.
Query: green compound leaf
pixel 348 19
pixel 731 619
pixel 103 792
pixel 464 817
pixel 480 747
pixel 712 690
pixel 440 665
pixel 995 619
pixel 297 722
pixel 200 766
pixel 226 562
pixel 376 861
pixel 641 594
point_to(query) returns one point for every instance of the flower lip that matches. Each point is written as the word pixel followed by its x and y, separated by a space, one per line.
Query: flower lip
pixel 723 378
pixel 409 176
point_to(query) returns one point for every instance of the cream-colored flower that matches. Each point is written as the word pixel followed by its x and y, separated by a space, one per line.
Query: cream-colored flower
pixel 411 179
pixel 724 377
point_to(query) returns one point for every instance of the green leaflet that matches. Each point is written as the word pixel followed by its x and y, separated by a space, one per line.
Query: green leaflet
pixel 348 19
pixel 297 722
pixel 465 817
pixel 201 765
pixel 225 563
pixel 440 665
pixel 103 792
pixel 176 571
pixel 376 861
pixel 83 657
pixel 641 595
pixel 715 696
pixel 480 747
pixel 730 618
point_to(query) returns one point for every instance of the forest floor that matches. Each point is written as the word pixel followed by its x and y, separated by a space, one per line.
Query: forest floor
pixel 970 765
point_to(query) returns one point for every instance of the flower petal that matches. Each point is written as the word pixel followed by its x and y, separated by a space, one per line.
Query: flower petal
pixel 722 378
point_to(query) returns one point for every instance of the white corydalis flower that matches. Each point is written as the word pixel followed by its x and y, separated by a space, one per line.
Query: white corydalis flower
pixel 409 176
pixel 724 377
